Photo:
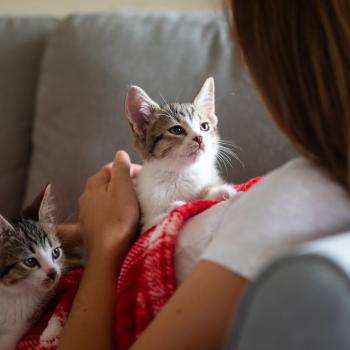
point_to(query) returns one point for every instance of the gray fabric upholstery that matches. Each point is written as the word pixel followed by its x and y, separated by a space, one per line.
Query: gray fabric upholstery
pixel 90 61
pixel 22 42
pixel 299 303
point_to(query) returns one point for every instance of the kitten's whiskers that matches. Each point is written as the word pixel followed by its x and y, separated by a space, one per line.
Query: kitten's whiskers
pixel 226 150
pixel 164 100
pixel 222 161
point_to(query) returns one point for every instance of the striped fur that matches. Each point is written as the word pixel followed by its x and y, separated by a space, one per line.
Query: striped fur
pixel 22 242
pixel 31 262
pixel 179 143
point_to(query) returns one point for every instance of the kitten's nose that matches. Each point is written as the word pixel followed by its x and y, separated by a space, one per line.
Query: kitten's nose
pixel 198 139
pixel 52 274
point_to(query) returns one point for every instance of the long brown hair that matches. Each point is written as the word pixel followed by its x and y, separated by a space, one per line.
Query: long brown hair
pixel 298 53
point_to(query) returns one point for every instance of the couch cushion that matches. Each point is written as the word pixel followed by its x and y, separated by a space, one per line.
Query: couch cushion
pixel 90 61
pixel 22 41
pixel 300 302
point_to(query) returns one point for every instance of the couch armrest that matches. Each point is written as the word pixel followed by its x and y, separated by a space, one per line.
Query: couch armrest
pixel 300 302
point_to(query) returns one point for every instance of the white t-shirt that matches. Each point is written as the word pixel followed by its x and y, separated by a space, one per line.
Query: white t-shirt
pixel 296 203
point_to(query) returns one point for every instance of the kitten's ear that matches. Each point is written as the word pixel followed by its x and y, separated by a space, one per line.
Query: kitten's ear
pixel 5 225
pixel 31 212
pixel 205 100
pixel 138 108
pixel 48 209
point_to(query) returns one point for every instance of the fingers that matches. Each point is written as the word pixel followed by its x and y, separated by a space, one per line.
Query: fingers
pixel 100 179
pixel 121 170
pixel 135 170
pixel 69 234
pixel 122 160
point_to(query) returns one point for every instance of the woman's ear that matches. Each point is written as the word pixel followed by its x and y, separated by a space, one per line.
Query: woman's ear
pixel 138 109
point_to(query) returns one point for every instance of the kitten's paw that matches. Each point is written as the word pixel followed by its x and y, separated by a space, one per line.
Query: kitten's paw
pixel 222 192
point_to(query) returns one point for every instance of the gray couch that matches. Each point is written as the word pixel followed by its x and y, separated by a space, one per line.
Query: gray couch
pixel 62 87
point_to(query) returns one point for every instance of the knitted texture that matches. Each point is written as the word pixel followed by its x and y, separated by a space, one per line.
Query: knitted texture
pixel 146 282
pixel 147 279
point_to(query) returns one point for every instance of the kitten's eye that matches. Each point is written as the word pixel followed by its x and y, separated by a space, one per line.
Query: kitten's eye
pixel 30 262
pixel 56 253
pixel 176 130
pixel 205 126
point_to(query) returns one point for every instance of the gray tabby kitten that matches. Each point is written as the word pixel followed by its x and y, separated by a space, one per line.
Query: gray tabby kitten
pixel 179 143
pixel 31 261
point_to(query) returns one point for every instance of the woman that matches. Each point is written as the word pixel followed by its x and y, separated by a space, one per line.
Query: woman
pixel 298 53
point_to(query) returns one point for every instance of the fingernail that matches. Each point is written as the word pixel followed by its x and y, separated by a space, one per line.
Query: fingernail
pixel 118 155
pixel 122 156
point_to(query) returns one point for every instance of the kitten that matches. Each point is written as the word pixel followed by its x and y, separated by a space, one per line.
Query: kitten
pixel 31 261
pixel 179 143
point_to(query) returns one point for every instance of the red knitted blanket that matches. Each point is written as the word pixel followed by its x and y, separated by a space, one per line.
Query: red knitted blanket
pixel 146 282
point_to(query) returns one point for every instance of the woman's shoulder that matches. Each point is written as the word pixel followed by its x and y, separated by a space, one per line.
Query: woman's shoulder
pixel 298 181
pixel 293 204
pixel 299 172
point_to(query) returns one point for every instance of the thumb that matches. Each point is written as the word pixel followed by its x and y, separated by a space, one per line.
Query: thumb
pixel 121 168
pixel 122 159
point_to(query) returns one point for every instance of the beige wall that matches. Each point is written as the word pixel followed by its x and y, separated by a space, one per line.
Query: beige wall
pixel 62 7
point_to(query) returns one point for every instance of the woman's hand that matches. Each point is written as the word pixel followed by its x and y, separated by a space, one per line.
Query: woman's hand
pixel 69 235
pixel 108 217
pixel 109 211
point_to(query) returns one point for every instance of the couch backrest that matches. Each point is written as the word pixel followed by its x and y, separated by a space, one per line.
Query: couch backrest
pixel 22 42
pixel 88 64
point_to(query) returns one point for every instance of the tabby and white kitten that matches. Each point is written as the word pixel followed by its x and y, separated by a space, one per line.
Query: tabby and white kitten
pixel 31 261
pixel 179 143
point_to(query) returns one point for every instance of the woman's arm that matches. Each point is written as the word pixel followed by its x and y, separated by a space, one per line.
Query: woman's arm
pixel 109 215
pixel 196 317
pixel 91 319
pixel 198 314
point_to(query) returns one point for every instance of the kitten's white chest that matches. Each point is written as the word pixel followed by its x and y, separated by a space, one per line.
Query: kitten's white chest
pixel 158 188
pixel 16 312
